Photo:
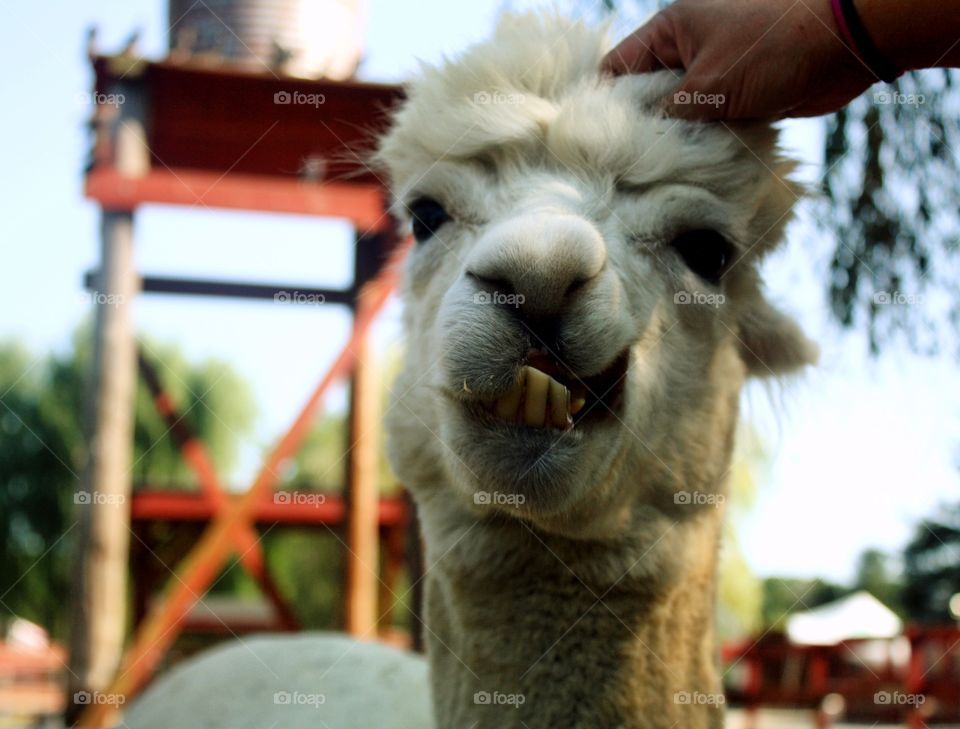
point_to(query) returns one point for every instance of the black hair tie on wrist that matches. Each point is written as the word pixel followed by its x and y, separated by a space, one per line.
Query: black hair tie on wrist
pixel 862 43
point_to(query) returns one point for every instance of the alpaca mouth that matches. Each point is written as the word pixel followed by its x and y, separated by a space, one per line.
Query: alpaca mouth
pixel 548 395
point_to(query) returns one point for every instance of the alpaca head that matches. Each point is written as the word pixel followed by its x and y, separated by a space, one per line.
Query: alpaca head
pixel 582 302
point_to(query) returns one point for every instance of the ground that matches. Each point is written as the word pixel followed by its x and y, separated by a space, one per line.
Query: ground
pixel 768 719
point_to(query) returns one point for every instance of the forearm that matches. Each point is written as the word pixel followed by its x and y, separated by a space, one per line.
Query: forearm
pixel 916 34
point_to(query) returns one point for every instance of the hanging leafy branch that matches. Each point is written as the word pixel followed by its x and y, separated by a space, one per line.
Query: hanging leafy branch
pixel 892 183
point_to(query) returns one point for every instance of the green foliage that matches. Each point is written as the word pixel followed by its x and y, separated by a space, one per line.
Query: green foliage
pixel 39 460
pixel 323 460
pixel 215 403
pixel 876 576
pixel 42 401
pixel 891 182
pixel 306 565
pixel 932 567
pixel 783 596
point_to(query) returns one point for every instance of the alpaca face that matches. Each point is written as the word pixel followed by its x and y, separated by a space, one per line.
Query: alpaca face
pixel 582 301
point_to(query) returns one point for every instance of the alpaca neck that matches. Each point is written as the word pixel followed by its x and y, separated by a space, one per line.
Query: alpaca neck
pixel 524 629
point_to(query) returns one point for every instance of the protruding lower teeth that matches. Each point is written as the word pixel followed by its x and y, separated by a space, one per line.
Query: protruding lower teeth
pixel 506 407
pixel 538 400
pixel 578 398
pixel 559 404
pixel 535 399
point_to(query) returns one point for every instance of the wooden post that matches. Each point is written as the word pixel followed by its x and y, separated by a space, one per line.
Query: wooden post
pixel 99 596
pixel 99 606
pixel 362 558
pixel 914 683
pixel 362 520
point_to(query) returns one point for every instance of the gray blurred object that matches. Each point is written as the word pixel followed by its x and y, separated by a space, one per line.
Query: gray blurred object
pixel 286 681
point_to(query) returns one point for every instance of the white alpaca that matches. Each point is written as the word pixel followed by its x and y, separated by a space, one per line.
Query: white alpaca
pixel 582 308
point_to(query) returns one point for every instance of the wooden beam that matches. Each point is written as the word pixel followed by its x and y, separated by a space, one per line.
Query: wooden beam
pixel 361 204
pixel 297 508
pixel 278 293
pixel 99 596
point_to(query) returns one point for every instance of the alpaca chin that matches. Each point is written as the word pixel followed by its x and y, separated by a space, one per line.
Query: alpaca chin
pixel 527 472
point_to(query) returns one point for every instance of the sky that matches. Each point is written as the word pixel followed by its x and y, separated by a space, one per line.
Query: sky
pixel 859 448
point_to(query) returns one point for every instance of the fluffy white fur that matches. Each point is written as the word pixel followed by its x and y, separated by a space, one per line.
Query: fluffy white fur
pixel 587 599
pixel 590 591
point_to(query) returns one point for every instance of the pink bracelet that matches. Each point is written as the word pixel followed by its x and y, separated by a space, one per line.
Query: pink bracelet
pixel 842 24
pixel 857 39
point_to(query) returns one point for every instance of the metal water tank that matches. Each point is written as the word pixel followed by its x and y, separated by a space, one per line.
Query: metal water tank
pixel 307 38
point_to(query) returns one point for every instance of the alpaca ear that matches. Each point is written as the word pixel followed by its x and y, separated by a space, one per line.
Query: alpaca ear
pixel 771 343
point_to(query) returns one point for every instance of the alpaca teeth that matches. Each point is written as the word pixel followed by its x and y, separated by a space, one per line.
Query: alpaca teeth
pixel 577 400
pixel 535 403
pixel 506 407
pixel 559 404
pixel 538 400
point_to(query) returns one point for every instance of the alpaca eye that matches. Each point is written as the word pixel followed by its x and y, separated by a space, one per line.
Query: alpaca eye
pixel 427 216
pixel 706 252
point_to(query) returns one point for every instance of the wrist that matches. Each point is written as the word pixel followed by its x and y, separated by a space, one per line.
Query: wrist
pixel 858 36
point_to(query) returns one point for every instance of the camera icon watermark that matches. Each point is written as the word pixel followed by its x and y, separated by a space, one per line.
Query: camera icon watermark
pixel 698 98
pixel 698 498
pixel 498 298
pixel 896 98
pixel 696 698
pixel 95 498
pixel 95 698
pixel 497 698
pixel 299 297
pixel 298 98
pixel 86 98
pixel 699 298
pixel 299 498
pixel 898 698
pixel 488 98
pixel 298 698
pixel 498 498
pixel 100 298
pixel 896 298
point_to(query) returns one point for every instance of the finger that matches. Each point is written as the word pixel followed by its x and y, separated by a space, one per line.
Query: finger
pixel 649 48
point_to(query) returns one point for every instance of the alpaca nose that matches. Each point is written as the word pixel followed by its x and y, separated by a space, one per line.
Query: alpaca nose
pixel 537 263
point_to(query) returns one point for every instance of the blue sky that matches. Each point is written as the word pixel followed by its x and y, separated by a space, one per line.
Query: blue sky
pixel 861 448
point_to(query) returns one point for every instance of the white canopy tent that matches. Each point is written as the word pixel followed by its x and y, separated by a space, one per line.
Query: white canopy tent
pixel 857 616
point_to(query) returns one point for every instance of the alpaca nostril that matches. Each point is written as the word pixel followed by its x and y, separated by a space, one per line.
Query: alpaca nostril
pixel 492 284
pixel 575 286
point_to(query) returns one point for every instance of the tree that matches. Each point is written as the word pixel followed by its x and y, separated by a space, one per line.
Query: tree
pixel 932 567
pixel 783 596
pixel 875 575
pixel 321 464
pixel 38 466
pixel 41 455
pixel 892 178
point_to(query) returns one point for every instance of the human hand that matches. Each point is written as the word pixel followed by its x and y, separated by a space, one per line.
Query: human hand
pixel 747 59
